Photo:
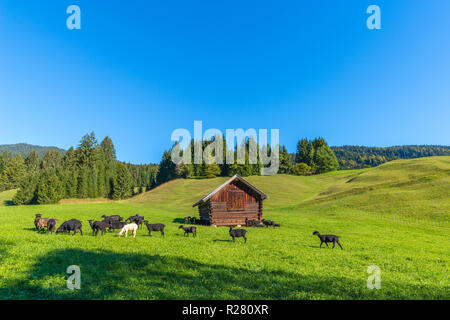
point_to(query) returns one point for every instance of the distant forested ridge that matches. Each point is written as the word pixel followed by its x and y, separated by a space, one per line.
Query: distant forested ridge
pixel 24 149
pixel 90 170
pixel 357 157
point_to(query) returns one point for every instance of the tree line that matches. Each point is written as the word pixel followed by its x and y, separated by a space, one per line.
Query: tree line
pixel 358 157
pixel 312 157
pixel 89 171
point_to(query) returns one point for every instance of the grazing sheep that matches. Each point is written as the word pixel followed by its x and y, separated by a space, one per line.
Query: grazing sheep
pixel 70 225
pixel 36 220
pixel 136 219
pixel 51 225
pixel 98 226
pixel 236 233
pixel 268 223
pixel 114 225
pixel 187 220
pixel 42 223
pixel 252 223
pixel 115 217
pixel 129 227
pixel 154 227
pixel 188 230
pixel 328 238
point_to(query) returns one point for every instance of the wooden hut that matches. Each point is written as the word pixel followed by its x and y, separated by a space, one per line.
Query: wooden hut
pixel 231 203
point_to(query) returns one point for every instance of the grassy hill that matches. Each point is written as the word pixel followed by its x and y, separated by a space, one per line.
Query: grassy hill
pixel 414 188
pixel 6 197
pixel 393 216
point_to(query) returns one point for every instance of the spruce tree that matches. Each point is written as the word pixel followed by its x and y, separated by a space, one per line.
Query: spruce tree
pixel 27 194
pixel 32 162
pixel 122 184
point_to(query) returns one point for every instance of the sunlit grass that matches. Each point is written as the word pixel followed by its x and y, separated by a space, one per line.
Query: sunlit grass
pixel 282 263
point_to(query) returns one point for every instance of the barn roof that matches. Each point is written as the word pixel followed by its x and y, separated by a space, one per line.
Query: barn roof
pixel 233 178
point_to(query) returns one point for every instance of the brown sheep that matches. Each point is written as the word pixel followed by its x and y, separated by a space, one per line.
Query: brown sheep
pixel 42 223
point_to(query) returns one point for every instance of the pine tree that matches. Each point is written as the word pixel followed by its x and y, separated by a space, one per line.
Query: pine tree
pixel 13 173
pixel 323 158
pixel 109 152
pixel 71 183
pixel 32 162
pixel 27 193
pixel 123 183
pixel 52 160
pixel 303 151
pixel 49 188
pixel 166 169
pixel 83 183
pixel 285 161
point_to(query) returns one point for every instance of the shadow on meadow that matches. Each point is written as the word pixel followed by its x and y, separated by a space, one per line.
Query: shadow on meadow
pixel 110 275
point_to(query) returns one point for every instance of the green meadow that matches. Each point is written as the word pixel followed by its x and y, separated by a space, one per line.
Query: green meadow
pixel 395 216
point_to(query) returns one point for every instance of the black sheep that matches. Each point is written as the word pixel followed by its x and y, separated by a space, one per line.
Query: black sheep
pixel 116 225
pixel 268 223
pixel 188 230
pixel 154 227
pixel 98 226
pixel 136 219
pixel 51 225
pixel 70 225
pixel 236 233
pixel 114 217
pixel 251 223
pixel 328 238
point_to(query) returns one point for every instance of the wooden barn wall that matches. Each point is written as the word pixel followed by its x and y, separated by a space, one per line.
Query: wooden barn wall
pixel 204 210
pixel 234 203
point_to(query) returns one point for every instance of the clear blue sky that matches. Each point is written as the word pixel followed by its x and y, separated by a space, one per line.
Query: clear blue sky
pixel 138 70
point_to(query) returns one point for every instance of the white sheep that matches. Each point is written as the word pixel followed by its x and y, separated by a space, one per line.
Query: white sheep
pixel 129 227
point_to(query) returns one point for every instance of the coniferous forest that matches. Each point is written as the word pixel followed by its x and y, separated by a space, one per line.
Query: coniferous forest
pixel 91 170
pixel 88 171
pixel 358 157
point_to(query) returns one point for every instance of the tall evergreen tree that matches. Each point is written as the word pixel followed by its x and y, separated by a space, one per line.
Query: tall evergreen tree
pixel 49 188
pixel 27 193
pixel 123 183
pixel 285 161
pixel 32 162
pixel 13 173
